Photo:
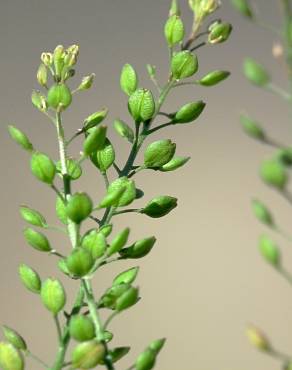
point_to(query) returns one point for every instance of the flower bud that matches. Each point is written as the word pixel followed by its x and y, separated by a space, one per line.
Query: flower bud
pixel 112 198
pixel 128 79
pixel 139 249
pixel 146 360
pixel 74 49
pixel 30 278
pixel 95 243
pixel 174 30
pixel 174 164
pixel 79 262
pixel 37 240
pixel 104 157
pixel 255 72
pixel 273 173
pixel 269 251
pixel 70 59
pixel 86 82
pixel 243 7
pixel 32 216
pixel 124 130
pixel 184 64
pixel 58 60
pixel 156 345
pixel 53 295
pixel 47 59
pixel 159 153
pixel 220 33
pixel 129 193
pixel 213 78
pixel 95 140
pixel 42 75
pixel 81 328
pixel 118 242
pixel 10 357
pixel 262 213
pixel 42 167
pixel 141 105
pixel 127 299
pixel 14 338
pixel 126 277
pixel 61 211
pixel 59 96
pixel 258 339
pixel 189 112
pixel 39 101
pixel 87 355
pixel 20 138
pixel 74 170
pixel 252 128
pixel 94 119
pixel 79 207
pixel 160 206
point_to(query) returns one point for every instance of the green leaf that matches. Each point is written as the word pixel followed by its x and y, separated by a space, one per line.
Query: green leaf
pixel 10 357
pixel 243 7
pixel 81 328
pixel 184 64
pixel 30 278
pixel 129 193
pixel 37 240
pixel 79 262
pixel 269 251
pixel 53 295
pixel 174 30
pixel 95 140
pixel 255 72
pixel 159 153
pixel 126 277
pixel 118 353
pixel 14 338
pixel 160 206
pixel 141 105
pixel 32 216
pixel 129 79
pixel 104 157
pixel 79 207
pixel 124 130
pixel 189 112
pixel 20 138
pixel 42 167
pixel 87 355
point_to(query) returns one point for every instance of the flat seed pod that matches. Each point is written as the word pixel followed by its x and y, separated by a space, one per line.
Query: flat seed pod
pixel 104 157
pixel 156 345
pixel 42 167
pixel 174 30
pixel 255 72
pixel 106 230
pixel 110 297
pixel 30 278
pixel 73 168
pixel 95 140
pixel 94 241
pixel 159 153
pixel 112 198
pixel 79 207
pixel 184 64
pixel 274 174
pixel 79 262
pixel 146 360
pixel 129 79
pixel 129 193
pixel 174 164
pixel 37 240
pixel 124 130
pixel 20 138
pixel 126 277
pixel 214 78
pixel 220 33
pixel 252 128
pixel 118 353
pixel 53 295
pixel 32 216
pixel 61 211
pixel 262 213
pixel 81 328
pixel 243 7
pixel 94 119
pixel 59 96
pixel 270 251
pixel 87 355
pixel 139 249
pixel 118 242
pixel 141 105
pixel 127 299
pixel 14 338
pixel 10 357
pixel 189 112
pixel 160 206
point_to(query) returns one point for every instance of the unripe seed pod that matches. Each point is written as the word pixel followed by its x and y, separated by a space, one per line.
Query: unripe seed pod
pixel 74 170
pixel 139 249
pixel 14 338
pixel 118 353
pixel 95 243
pixel 255 72
pixel 285 156
pixel 30 278
pixel 270 251
pixel 106 230
pixel 95 140
pixel 104 157
pixel 273 173
pixel 81 328
pixel 124 130
pixel 213 78
pixel 159 153
pixel 160 206
pixel 59 96
pixel 151 69
pixel 262 213
pixel 258 339
pixel 94 119
pixel 184 64
pixel 42 75
pixel 39 101
pixel 174 164
pixel 189 112
pixel 63 267
pixel 61 211
pixel 112 198
pixel 79 262
pixel 220 33
pixel 47 59
pixel 79 207
pixel 20 138
pixel 146 360
pixel 129 193
pixel 127 299
pixel 174 30
pixel 37 240
pixel 141 105
pixel 42 167
pixel 86 82
pixel 10 357
pixel 252 128
pixel 118 242
pixel 126 277
pixel 156 345
pixel 87 355
pixel 53 295
pixel 112 294
pixel 32 216
pixel 128 79
pixel 243 7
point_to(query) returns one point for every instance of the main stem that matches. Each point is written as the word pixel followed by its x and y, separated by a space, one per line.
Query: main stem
pixel 287 10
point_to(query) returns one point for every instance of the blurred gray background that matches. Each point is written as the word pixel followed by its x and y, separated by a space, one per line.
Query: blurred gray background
pixel 204 280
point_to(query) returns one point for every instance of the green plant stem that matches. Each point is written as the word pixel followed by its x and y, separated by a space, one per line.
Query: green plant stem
pixel 58 326
pixel 286 274
pixel 282 233
pixel 149 132
pixel 36 358
pixel 287 11
pixel 106 181
pixel 278 91
pixel 279 355
pixel 126 211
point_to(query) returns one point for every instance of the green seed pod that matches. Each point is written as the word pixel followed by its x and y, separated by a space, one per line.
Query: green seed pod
pixel 146 360
pixel 63 267
pixel 273 173
pixel 95 140
pixel 47 59
pixel 213 78
pixel 118 242
pixel 270 251
pixel 139 249
pixel 20 138
pixel 112 198
pixel 32 216
pixel 159 153
pixel 285 156
pixel 151 70
pixel 42 75
pixel 124 130
pixel 30 278
pixel 14 338
pixel 59 96
pixel 126 277
pixel 58 60
pixel 79 207
pixel 39 101
pixel 174 164
pixel 37 240
pixel 118 353
pixel 110 297
pixel 94 119
pixel 128 79
pixel 104 157
pixel 106 230
pixel 141 105
pixel 94 242
pixel 160 206
pixel 42 167
pixel 174 30
pixel 10 357
pixel 220 33
pixel 53 295
pixel 255 72
pixel 79 262
pixel 156 345
pixel 252 128
pixel 61 211
pixel 243 7
pixel 184 64
pixel 127 299
pixel 189 112
pixel 81 328
pixel 129 193
pixel 87 355
pixel 86 82
pixel 262 213
pixel 74 169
